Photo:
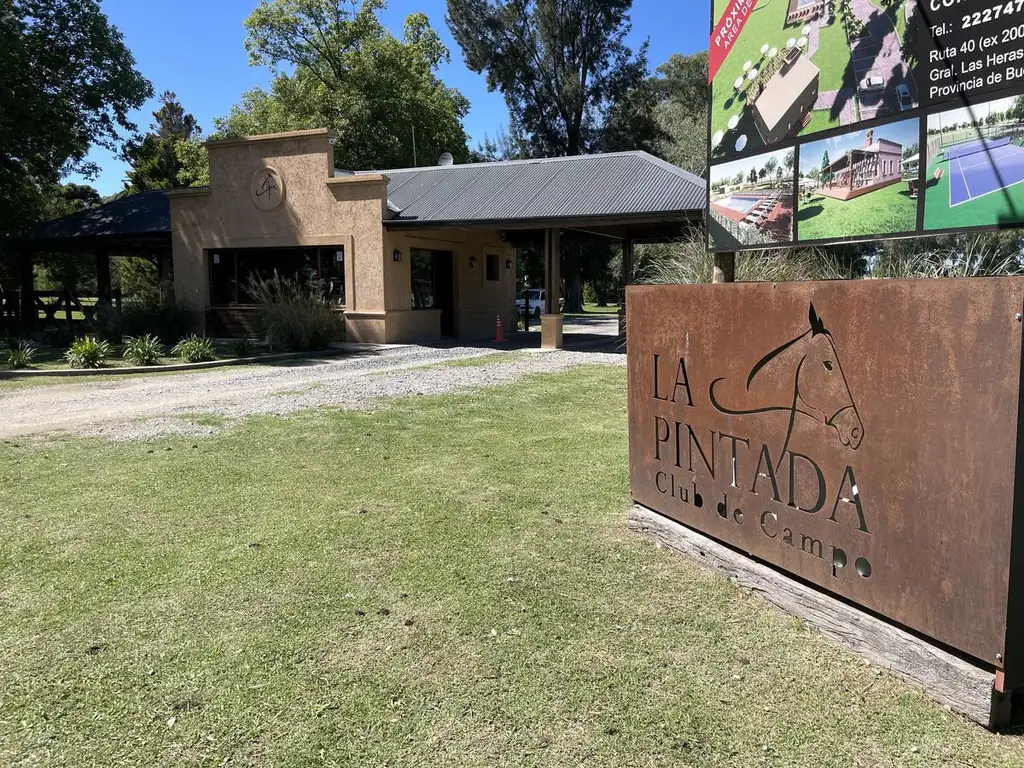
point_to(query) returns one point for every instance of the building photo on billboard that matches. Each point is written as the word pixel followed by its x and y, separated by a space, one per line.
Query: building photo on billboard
pixel 859 184
pixel 751 201
pixel 799 67
pixel 975 166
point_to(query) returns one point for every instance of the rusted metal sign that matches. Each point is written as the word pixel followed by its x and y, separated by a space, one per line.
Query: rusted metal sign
pixel 862 435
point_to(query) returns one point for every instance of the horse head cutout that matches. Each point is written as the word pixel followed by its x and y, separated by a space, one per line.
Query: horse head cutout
pixel 809 380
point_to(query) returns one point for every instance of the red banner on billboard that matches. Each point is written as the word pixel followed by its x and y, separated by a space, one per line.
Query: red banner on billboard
pixel 726 32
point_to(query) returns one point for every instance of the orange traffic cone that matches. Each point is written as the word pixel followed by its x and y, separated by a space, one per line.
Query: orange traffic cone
pixel 499 333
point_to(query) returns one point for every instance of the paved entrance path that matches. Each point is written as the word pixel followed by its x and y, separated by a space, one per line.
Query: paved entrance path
pixel 141 407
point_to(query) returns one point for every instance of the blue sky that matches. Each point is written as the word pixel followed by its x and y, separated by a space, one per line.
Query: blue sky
pixel 810 155
pixel 194 48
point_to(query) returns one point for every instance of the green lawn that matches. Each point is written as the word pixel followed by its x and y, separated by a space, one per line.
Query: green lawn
pixel 1003 207
pixel 833 59
pixel 594 309
pixel 767 24
pixel 885 211
pixel 446 581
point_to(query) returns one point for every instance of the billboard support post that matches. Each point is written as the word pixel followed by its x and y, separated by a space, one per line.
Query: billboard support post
pixel 725 268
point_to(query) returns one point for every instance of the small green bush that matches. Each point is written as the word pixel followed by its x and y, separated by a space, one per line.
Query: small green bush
pixel 87 352
pixel 293 316
pixel 19 354
pixel 143 350
pixel 194 349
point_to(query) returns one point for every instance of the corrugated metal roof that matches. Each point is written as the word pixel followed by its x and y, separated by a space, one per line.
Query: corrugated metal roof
pixel 147 213
pixel 579 187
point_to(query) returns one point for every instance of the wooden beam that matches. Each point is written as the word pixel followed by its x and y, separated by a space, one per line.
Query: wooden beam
pixel 961 686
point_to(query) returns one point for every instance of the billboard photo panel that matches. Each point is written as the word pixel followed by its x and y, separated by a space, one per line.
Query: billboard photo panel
pixel 922 101
pixel 751 203
pixel 975 166
pixel 858 184
pixel 800 67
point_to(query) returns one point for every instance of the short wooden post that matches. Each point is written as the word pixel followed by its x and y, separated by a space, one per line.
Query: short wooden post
pixel 725 268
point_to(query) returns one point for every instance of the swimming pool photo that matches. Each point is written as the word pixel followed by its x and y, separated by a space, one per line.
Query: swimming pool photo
pixel 738 203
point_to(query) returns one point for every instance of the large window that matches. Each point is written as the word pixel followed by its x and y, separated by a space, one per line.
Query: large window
pixel 232 268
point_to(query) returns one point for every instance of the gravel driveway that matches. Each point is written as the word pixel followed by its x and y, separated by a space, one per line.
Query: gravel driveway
pixel 153 406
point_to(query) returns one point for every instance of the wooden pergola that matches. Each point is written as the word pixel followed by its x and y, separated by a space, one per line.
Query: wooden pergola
pixel 135 225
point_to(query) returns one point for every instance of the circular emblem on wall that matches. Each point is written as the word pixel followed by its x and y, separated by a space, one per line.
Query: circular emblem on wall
pixel 267 188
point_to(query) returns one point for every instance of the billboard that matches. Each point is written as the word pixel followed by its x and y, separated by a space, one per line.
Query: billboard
pixel 827 429
pixel 844 120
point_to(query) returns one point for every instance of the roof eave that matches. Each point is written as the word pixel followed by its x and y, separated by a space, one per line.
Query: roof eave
pixel 544 223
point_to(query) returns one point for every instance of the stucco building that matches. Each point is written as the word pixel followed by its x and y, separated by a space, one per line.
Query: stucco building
pixel 408 255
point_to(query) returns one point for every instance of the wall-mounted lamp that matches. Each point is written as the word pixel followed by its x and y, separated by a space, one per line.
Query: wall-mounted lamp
pixel 472 262
pixel 508 263
pixel 396 255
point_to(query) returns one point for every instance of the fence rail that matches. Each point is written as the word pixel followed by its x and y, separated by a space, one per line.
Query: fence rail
pixel 53 309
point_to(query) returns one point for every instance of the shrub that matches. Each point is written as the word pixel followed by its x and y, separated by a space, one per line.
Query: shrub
pixel 108 324
pixel 143 350
pixel 166 320
pixel 87 352
pixel 61 336
pixel 19 354
pixel 194 349
pixel 241 348
pixel 292 316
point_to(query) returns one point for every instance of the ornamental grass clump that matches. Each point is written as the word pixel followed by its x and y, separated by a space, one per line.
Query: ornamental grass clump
pixel 143 350
pixel 293 316
pixel 194 349
pixel 18 355
pixel 87 352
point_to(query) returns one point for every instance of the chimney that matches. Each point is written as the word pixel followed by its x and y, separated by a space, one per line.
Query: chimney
pixel 869 138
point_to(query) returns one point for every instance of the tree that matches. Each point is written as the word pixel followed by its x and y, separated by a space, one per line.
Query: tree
pixel 193 162
pixel 379 94
pixel 770 164
pixel 752 177
pixel 563 68
pixel 788 160
pixel 682 111
pixel 824 172
pixel 154 159
pixel 67 83
pixel 570 82
pixel 505 146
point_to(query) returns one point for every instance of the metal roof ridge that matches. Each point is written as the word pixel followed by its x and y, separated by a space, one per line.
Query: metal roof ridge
pixel 526 161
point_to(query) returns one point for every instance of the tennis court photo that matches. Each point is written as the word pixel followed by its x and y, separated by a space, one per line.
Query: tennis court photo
pixel 975 166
